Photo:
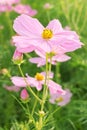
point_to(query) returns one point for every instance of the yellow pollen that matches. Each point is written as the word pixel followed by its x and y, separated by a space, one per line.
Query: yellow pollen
pixel 60 99
pixel 39 76
pixel 47 34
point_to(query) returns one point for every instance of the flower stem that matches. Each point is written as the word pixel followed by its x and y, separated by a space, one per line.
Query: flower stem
pixel 35 103
pixel 44 97
pixel 45 85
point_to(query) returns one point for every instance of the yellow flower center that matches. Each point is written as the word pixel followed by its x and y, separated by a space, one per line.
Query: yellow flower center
pixel 60 99
pixel 39 76
pixel 47 34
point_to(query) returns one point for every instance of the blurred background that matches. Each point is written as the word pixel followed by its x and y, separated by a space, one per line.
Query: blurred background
pixel 72 74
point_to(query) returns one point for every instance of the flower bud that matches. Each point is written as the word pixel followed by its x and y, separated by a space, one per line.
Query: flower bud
pixel 41 113
pixel 17 57
pixel 4 71
pixel 24 95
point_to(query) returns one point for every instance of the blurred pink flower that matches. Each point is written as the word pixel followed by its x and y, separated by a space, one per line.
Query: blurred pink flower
pixel 12 88
pixel 32 33
pixel 55 88
pixel 9 2
pixel 7 5
pixel 48 6
pixel 24 94
pixel 4 8
pixel 24 9
pixel 61 99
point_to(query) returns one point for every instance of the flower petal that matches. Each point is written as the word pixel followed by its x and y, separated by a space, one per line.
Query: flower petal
pixel 27 26
pixel 55 26
pixel 54 88
pixel 37 60
pixel 61 58
pixel 70 44
pixel 19 81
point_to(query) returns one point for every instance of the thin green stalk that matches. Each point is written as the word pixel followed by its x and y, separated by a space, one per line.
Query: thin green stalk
pixel 45 85
pixel 50 65
pixel 57 73
pixel 29 88
pixel 48 15
pixel 35 103
pixel 27 108
pixel 19 103
pixel 40 122
pixel 55 111
pixel 31 119
pixel 51 114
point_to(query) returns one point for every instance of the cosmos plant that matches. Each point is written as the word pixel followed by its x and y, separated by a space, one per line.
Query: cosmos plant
pixel 50 44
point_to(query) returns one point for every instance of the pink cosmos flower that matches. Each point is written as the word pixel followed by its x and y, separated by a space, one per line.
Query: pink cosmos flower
pixel 32 33
pixel 24 9
pixel 12 1
pixel 38 82
pixel 24 94
pixel 33 82
pixel 7 5
pixel 4 8
pixel 9 2
pixel 55 88
pixel 60 99
pixel 56 55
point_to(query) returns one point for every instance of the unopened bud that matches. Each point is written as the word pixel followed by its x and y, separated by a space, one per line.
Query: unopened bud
pixel 41 113
pixel 18 57
pixel 24 95
pixel 4 71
